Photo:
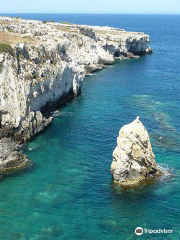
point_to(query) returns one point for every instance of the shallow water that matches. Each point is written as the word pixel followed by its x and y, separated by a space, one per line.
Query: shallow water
pixel 69 193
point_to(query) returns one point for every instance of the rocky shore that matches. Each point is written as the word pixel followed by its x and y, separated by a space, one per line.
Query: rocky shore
pixel 11 158
pixel 133 158
pixel 42 64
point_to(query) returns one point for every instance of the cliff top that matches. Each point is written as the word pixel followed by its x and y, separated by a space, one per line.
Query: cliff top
pixel 17 30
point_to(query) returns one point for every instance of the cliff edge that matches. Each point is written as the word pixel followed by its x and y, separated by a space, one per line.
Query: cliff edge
pixel 42 64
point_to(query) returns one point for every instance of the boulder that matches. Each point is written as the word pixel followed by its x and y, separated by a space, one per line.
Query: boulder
pixel 11 159
pixel 133 158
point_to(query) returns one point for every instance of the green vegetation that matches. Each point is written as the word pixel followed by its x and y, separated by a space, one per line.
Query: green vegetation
pixel 67 23
pixel 15 17
pixel 4 47
pixel 28 76
pixel 52 21
pixel 28 38
pixel 9 29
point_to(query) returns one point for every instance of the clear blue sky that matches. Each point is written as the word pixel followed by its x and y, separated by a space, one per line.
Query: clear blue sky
pixel 90 6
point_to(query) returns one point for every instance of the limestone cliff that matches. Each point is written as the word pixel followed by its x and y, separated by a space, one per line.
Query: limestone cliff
pixel 43 64
pixel 133 158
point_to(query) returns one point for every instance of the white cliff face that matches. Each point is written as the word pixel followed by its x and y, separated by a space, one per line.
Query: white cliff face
pixel 133 158
pixel 48 64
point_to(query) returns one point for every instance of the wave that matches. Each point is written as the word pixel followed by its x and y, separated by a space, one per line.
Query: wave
pixel 91 74
pixel 62 114
pixel 167 171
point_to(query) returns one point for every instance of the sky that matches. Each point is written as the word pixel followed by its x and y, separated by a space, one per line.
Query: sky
pixel 90 6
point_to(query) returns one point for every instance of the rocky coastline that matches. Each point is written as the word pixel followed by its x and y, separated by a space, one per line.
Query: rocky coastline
pixel 42 65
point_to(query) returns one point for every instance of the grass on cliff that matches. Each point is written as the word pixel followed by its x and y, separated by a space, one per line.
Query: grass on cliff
pixel 6 48
pixel 51 21
pixel 66 29
pixel 12 38
pixel 28 38
pixel 67 23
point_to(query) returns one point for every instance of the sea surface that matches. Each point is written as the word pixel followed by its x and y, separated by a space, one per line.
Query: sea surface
pixel 69 193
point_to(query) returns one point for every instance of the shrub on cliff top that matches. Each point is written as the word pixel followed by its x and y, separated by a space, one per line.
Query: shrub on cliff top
pixel 4 47
pixel 51 21
pixel 67 23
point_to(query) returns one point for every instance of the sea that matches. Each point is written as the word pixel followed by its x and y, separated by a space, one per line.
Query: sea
pixel 69 192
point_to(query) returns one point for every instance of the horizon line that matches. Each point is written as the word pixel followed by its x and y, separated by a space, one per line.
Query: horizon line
pixel 151 13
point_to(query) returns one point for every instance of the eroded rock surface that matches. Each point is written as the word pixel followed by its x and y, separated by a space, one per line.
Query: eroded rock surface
pixel 45 64
pixel 133 158
pixel 11 159
pixel 48 63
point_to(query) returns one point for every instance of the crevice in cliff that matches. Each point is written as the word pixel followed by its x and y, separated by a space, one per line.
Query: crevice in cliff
pixel 0 120
pixel 117 53
pixel 52 106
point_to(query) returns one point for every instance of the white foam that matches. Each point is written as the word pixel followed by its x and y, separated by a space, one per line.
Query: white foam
pixel 167 171
pixel 91 74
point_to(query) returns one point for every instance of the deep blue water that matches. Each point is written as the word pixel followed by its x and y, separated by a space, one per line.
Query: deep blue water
pixel 69 194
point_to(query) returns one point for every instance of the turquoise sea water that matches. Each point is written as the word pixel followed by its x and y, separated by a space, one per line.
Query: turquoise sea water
pixel 69 194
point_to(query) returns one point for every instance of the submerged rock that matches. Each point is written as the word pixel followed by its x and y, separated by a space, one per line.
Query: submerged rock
pixel 133 158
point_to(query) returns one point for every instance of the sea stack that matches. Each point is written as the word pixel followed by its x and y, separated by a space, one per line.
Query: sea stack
pixel 133 158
